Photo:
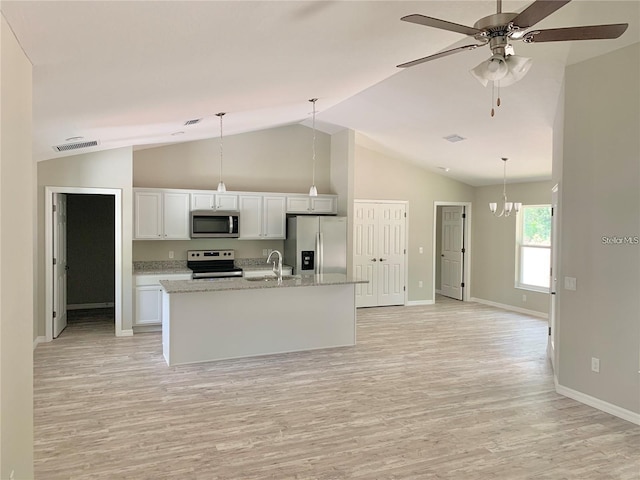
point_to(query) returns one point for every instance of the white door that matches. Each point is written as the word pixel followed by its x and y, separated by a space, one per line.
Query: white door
pixel 452 254
pixel 554 277
pixel 148 215
pixel 274 217
pixel 391 231
pixel 60 263
pixel 364 254
pixel 250 217
pixel 176 216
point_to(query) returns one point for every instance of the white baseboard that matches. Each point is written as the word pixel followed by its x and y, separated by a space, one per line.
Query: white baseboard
pixel 594 402
pixel 124 333
pixel 415 303
pixel 509 307
pixel 38 340
pixel 88 306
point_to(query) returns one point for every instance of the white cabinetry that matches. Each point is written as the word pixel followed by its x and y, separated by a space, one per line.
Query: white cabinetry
pixel 320 205
pixel 148 297
pixel 161 215
pixel 262 217
pixel 214 201
pixel 379 253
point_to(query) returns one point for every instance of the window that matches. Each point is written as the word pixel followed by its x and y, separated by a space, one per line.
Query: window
pixel 533 248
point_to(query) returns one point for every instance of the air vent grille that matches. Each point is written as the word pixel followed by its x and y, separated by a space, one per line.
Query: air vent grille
pixel 74 146
pixel 454 138
pixel 193 122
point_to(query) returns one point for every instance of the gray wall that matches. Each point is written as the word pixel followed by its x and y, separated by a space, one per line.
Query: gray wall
pixel 17 213
pixel 90 249
pixel 494 246
pixel 600 196
pixel 381 177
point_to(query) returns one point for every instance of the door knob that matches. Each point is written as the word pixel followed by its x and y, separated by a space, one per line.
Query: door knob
pixel 442 255
pixel 374 259
pixel 383 259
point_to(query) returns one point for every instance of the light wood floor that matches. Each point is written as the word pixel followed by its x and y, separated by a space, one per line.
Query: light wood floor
pixel 449 391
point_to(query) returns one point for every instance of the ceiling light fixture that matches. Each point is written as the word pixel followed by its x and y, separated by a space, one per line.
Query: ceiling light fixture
pixel 507 207
pixel 313 191
pixel 221 186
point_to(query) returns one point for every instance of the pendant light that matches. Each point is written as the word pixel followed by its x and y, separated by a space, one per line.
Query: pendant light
pixel 221 186
pixel 507 207
pixel 313 191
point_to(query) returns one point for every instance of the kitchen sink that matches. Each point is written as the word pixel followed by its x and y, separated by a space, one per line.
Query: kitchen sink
pixel 271 278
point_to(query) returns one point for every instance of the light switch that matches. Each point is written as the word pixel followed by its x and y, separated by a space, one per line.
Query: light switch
pixel 420 250
pixel 570 283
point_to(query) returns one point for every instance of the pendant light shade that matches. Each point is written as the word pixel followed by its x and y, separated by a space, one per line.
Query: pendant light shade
pixel 221 186
pixel 313 191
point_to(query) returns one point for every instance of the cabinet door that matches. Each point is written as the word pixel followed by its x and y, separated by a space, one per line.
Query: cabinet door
pixel 250 217
pixel 176 216
pixel 322 205
pixel 202 201
pixel 148 305
pixel 226 202
pixel 274 217
pixel 298 204
pixel 148 216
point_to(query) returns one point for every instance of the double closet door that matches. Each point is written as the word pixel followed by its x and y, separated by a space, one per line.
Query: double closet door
pixel 379 253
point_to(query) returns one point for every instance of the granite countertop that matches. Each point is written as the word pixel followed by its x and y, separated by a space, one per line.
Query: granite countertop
pixel 267 267
pixel 164 267
pixel 222 284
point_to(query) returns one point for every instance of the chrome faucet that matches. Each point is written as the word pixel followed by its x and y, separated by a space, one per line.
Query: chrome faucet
pixel 276 269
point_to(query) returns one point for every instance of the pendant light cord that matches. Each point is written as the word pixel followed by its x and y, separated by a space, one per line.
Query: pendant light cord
pixel 313 145
pixel 220 115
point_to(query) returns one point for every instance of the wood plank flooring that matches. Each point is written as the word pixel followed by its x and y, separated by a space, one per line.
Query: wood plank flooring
pixel 449 391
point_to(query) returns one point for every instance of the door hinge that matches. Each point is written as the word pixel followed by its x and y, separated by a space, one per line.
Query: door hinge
pixel 463 250
pixel 462 284
pixel 405 251
pixel 55 314
pixel 405 214
pixel 552 211
pixel 54 208
pixel 55 261
pixel 464 215
pixel 549 331
pixel 404 288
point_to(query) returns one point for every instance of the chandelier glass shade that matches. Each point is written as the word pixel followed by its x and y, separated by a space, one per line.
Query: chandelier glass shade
pixel 507 207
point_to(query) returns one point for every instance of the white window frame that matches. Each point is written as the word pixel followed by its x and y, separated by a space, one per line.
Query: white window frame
pixel 519 245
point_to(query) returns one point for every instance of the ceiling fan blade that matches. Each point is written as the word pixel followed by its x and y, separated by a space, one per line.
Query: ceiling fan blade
pixel 439 55
pixel 589 32
pixel 537 11
pixel 441 24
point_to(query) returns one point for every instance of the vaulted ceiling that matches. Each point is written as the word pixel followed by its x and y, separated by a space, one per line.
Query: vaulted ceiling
pixel 132 73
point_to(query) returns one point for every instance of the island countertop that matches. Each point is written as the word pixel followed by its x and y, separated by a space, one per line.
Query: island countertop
pixel 222 284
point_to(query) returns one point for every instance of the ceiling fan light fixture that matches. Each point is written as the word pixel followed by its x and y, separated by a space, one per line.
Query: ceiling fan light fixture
pixel 518 68
pixel 491 70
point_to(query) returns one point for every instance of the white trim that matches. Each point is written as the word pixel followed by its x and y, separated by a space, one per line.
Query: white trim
pixel 38 340
pixel 90 306
pixel 362 200
pixel 48 227
pixel 601 405
pixel 415 303
pixel 467 238
pixel 504 306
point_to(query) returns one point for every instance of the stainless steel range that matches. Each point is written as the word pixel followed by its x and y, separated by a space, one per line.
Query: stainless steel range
pixel 212 264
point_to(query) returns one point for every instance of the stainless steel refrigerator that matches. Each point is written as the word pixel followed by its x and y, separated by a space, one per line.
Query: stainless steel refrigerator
pixel 316 244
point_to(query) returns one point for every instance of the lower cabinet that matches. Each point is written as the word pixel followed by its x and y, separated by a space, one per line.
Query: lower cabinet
pixel 148 298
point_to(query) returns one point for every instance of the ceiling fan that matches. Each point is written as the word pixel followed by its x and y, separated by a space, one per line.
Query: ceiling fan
pixel 499 29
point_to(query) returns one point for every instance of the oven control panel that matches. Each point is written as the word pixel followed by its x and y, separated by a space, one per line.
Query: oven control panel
pixel 208 255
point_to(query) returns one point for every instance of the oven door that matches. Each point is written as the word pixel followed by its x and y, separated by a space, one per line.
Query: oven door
pixel 206 224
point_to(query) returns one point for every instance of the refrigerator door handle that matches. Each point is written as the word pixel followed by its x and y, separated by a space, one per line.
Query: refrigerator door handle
pixel 321 264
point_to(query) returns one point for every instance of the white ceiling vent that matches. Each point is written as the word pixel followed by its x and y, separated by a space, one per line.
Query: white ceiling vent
pixel 74 146
pixel 454 138
pixel 193 122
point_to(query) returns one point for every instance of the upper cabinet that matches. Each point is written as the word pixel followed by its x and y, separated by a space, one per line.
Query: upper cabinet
pixel 320 205
pixel 214 201
pixel 262 217
pixel 161 215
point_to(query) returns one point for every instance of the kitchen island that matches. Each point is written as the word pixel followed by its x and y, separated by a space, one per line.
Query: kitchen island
pixel 205 320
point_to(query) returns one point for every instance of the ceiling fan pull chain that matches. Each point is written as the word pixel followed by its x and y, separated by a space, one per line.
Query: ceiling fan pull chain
pixel 498 100
pixel 493 93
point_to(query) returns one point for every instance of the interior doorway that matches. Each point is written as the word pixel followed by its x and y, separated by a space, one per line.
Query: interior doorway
pixel 55 270
pixel 451 250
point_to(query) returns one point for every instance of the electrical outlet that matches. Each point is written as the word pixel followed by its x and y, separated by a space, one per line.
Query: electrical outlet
pixel 524 298
pixel 595 364
pixel 265 252
pixel 420 284
pixel 570 283
pixel 170 254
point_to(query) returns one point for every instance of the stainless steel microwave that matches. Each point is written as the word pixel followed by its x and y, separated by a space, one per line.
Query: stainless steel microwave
pixel 214 224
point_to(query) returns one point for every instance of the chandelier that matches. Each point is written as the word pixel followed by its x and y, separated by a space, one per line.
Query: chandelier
pixel 507 207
